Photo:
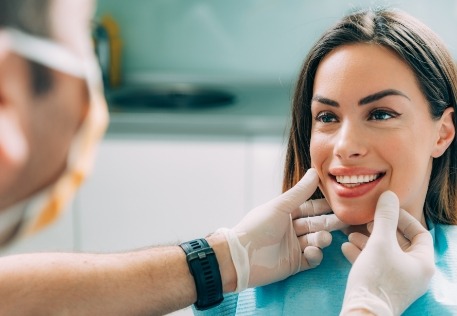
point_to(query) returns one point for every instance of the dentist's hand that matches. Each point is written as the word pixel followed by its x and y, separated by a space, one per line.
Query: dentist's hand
pixel 265 247
pixel 386 278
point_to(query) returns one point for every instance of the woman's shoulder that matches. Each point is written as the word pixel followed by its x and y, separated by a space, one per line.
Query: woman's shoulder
pixel 444 234
pixel 444 237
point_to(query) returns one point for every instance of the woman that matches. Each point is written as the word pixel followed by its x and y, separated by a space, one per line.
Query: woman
pixel 374 110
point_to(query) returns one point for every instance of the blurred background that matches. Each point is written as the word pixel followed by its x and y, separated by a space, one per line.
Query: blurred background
pixel 261 40
pixel 199 94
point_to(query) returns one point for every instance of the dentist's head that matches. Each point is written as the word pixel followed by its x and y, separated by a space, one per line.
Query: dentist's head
pixel 374 110
pixel 51 109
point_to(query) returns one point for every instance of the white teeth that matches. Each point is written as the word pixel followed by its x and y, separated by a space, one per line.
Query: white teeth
pixel 356 179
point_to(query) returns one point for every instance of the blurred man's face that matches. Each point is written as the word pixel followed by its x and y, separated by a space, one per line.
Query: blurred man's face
pixel 36 130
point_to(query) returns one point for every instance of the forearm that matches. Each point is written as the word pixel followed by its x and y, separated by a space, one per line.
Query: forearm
pixel 143 282
pixel 147 282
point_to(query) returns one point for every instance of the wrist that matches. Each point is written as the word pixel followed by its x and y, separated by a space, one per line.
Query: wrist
pixel 358 312
pixel 361 301
pixel 219 243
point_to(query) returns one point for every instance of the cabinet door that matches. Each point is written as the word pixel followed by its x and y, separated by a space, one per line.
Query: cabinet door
pixel 161 190
pixel 266 171
pixel 58 236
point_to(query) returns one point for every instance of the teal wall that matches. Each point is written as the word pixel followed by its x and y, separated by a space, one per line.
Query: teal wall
pixel 250 39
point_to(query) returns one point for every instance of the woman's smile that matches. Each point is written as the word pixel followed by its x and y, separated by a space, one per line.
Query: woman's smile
pixel 351 185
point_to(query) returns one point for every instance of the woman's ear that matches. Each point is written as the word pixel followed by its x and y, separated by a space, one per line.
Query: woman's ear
pixel 446 132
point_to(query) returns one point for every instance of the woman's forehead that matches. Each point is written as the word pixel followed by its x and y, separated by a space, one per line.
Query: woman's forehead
pixel 363 69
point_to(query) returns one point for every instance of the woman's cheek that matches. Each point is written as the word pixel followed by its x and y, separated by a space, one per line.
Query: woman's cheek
pixel 317 150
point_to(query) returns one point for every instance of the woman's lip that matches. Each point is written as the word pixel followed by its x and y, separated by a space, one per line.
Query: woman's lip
pixel 356 191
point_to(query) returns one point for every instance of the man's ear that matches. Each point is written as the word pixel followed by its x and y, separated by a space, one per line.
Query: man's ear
pixel 446 132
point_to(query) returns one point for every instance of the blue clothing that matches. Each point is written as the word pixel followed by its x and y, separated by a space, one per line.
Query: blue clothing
pixel 320 291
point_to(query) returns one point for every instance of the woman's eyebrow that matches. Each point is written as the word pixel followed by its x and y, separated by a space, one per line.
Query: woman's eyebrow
pixel 325 100
pixel 365 100
pixel 381 94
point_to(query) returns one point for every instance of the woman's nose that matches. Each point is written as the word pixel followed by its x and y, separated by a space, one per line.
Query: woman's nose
pixel 350 142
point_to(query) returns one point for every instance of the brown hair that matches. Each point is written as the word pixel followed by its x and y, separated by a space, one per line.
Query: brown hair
pixel 436 74
pixel 30 16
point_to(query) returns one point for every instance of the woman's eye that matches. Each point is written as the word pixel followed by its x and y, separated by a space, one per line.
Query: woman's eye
pixel 382 115
pixel 326 117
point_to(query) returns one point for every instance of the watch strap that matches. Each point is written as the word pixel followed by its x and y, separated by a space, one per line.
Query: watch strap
pixel 204 268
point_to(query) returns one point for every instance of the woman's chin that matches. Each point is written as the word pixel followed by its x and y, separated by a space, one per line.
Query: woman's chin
pixel 351 217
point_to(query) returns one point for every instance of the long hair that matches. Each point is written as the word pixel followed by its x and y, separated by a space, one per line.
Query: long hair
pixel 436 75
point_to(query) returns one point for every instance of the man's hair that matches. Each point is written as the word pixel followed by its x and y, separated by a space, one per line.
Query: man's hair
pixel 436 75
pixel 32 17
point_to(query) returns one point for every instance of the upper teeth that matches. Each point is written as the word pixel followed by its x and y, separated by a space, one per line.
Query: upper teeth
pixel 356 179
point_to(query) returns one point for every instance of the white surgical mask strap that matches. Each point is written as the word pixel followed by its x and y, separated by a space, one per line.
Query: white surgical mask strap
pixel 45 52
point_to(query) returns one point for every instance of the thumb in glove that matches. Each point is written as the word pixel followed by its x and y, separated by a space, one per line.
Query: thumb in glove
pixel 264 245
pixel 385 279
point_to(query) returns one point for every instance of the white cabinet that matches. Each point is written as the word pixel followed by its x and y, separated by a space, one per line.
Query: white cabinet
pixel 161 190
pixel 156 190
pixel 58 236
pixel 266 159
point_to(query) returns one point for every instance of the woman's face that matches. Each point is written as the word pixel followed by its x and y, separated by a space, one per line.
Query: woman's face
pixel 372 131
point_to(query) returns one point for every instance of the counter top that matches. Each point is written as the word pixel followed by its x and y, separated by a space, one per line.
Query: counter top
pixel 258 109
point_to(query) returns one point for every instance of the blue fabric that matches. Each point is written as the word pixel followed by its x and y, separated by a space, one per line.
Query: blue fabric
pixel 320 291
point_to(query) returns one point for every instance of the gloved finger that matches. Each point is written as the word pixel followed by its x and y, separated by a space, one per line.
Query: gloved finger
pixel 320 239
pixel 422 248
pixel 421 240
pixel 409 226
pixel 403 242
pixel 350 251
pixel 386 216
pixel 358 239
pixel 311 258
pixel 298 194
pixel 314 224
pixel 312 208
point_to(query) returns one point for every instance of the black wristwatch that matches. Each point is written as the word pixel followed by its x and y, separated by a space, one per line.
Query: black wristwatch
pixel 203 266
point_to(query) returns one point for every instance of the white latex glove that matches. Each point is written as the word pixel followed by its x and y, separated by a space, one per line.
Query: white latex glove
pixel 385 279
pixel 265 247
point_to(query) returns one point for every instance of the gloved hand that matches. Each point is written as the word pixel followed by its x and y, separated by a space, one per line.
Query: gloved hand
pixel 385 279
pixel 264 246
